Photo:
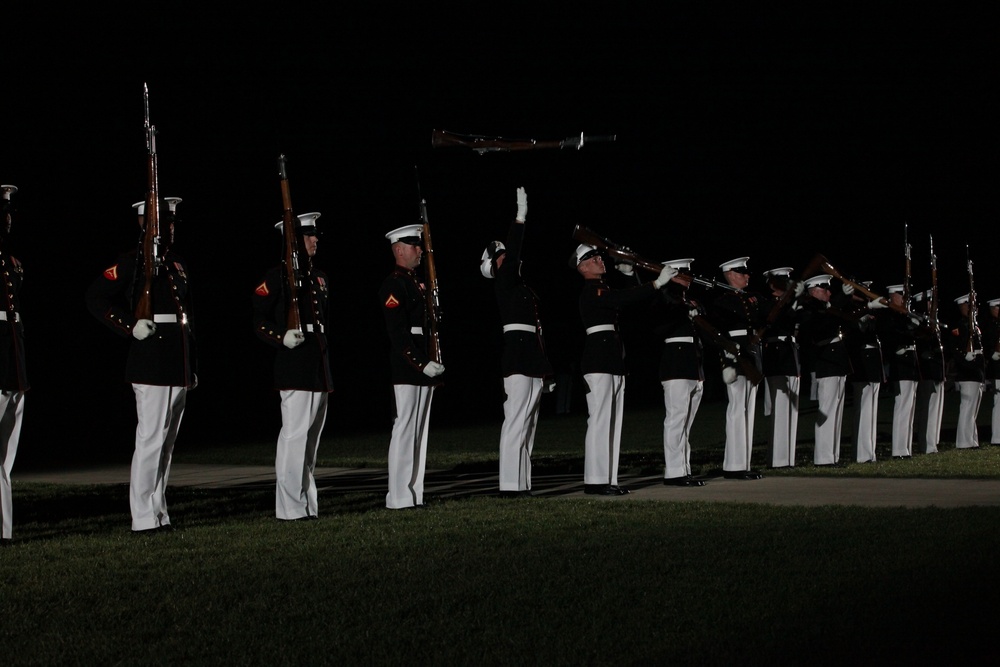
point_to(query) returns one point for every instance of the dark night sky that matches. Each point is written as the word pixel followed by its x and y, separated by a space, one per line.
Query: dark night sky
pixel 776 138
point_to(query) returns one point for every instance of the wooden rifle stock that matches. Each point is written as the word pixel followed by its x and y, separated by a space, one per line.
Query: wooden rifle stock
pixel 290 229
pixel 829 268
pixel 433 291
pixel 480 144
pixel 745 360
pixel 150 255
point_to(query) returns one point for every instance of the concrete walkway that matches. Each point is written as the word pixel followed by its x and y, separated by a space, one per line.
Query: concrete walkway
pixel 811 491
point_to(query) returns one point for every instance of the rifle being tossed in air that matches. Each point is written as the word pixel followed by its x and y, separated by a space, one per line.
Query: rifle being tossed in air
pixel 481 145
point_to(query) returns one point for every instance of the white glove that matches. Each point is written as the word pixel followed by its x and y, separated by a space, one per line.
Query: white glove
pixel 693 313
pixel 969 356
pixel 800 288
pixel 665 276
pixel 915 320
pixel 848 289
pixel 433 369
pixel 548 387
pixel 995 356
pixel 875 304
pixel 293 338
pixel 901 351
pixel 522 204
pixel 194 382
pixel 728 374
pixel 625 268
pixel 143 329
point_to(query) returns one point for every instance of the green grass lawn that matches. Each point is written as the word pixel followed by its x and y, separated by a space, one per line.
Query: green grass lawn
pixel 488 581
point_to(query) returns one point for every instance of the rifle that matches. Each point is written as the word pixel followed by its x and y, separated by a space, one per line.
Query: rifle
pixel 290 228
pixel 975 340
pixel 623 254
pixel 151 256
pixel 861 288
pixel 932 300
pixel 906 279
pixel 432 292
pixel 9 306
pixel 481 145
pixel 785 298
pixel 746 361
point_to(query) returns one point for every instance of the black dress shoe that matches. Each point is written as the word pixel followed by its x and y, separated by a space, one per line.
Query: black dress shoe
pixel 515 494
pixel 742 474
pixel 902 457
pixel 613 490
pixel 683 481
pixel 604 490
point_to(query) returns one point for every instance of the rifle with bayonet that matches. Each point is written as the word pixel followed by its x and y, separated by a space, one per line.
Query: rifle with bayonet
pixel 932 299
pixel 746 360
pixel 293 251
pixel 975 341
pixel 432 293
pixel 906 275
pixel 150 255
pixel 481 145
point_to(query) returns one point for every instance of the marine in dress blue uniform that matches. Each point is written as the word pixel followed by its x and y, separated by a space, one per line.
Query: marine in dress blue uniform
pixel 970 372
pixel 526 370
pixel 161 363
pixel 301 373
pixel 899 331
pixel 737 314
pixel 867 370
pixel 827 360
pixel 414 374
pixel 13 375
pixel 603 364
pixel 991 337
pixel 933 372
pixel 681 373
pixel 781 366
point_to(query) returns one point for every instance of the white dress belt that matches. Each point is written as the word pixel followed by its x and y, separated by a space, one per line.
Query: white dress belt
pixel 871 347
pixel 739 332
pixel 679 339
pixel 830 340
pixel 312 327
pixel 780 339
pixel 3 316
pixel 417 331
pixel 165 318
pixel 520 327
pixel 599 328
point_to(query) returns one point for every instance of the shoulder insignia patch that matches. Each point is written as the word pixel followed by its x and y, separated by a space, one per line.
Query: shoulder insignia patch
pixel 111 273
pixel 391 302
pixel 262 289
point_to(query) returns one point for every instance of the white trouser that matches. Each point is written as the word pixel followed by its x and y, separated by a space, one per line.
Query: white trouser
pixel 783 397
pixel 967 434
pixel 739 424
pixel 903 412
pixel 408 447
pixel 681 399
pixel 158 411
pixel 929 413
pixel 995 435
pixel 11 412
pixel 605 402
pixel 303 414
pixel 517 435
pixel 829 418
pixel 865 420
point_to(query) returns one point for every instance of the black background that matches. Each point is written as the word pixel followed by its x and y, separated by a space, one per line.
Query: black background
pixel 776 137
